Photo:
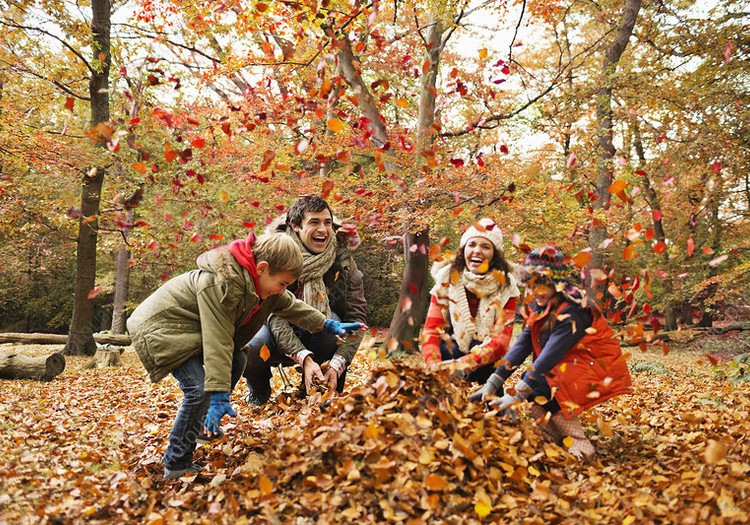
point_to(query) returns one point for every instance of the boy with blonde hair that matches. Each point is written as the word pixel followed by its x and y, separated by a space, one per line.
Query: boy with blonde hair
pixel 195 324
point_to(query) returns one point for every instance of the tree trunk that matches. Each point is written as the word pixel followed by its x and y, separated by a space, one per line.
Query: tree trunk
pixel 670 320
pixel 407 319
pixel 605 134
pixel 41 368
pixel 122 286
pixel 58 339
pixel 80 340
pixel 105 356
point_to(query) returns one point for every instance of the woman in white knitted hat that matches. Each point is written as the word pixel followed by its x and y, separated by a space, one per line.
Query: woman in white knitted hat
pixel 472 306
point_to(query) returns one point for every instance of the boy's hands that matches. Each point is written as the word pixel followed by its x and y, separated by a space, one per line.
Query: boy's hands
pixel 217 408
pixel 311 370
pixel 342 329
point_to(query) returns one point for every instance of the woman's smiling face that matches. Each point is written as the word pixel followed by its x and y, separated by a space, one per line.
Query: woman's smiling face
pixel 478 254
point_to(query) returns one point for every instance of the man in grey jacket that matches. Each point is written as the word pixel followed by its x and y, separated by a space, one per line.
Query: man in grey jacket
pixel 331 283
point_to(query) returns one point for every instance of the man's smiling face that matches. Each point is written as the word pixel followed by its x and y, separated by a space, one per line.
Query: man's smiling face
pixel 316 230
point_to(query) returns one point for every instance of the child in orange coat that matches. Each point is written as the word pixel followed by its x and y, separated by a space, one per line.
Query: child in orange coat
pixel 576 361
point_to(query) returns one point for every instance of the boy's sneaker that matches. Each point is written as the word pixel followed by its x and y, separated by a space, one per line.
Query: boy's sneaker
pixel 259 394
pixel 203 437
pixel 193 468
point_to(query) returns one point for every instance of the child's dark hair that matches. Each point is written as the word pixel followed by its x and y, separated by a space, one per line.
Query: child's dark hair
pixel 311 203
pixel 498 262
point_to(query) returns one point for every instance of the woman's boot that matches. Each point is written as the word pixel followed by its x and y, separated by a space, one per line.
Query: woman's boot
pixel 581 447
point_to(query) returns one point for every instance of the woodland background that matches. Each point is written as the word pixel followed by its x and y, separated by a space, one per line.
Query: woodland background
pixel 136 134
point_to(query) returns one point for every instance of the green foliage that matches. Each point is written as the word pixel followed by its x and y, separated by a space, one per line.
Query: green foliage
pixel 648 367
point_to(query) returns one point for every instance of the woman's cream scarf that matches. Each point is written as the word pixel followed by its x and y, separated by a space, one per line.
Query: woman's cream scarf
pixel 450 291
pixel 314 290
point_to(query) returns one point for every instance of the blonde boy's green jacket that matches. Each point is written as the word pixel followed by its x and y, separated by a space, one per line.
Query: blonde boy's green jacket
pixel 205 310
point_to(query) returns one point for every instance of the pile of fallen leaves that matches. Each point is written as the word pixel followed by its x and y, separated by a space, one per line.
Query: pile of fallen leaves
pixel 402 445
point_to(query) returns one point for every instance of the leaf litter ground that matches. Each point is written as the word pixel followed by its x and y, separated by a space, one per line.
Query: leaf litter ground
pixel 402 446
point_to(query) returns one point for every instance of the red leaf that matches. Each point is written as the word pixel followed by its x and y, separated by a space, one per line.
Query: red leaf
pixel 198 142
pixel 656 214
pixel 728 52
pixel 571 160
pixel 69 102
pixel 327 188
pixel 504 149
pixel 268 157
pixel 457 163
pixel 660 247
pixel 716 167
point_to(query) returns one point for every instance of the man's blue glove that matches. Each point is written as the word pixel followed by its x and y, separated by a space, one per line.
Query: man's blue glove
pixel 341 329
pixel 506 404
pixel 217 408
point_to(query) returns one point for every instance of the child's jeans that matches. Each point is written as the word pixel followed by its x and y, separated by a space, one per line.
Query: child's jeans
pixel 188 424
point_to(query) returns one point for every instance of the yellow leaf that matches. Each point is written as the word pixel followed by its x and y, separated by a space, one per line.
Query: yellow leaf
pixel 335 124
pixel 483 53
pixel 265 353
pixel 628 520
pixel 224 196
pixel 568 441
pixel 482 508
pixel 402 103
pixel 435 482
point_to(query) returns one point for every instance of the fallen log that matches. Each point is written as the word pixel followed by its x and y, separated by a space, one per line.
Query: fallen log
pixel 14 365
pixel 59 339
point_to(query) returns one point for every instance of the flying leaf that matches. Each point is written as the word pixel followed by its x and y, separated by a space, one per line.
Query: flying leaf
pixel 707 250
pixel 629 252
pixel 69 102
pixel 335 124
pixel 571 160
pixel 728 52
pixel 268 157
pixel 483 53
pixel 140 167
pixel 582 258
pixel 169 153
pixel 265 353
pixel 617 186
pixel 660 247
pixel 690 246
pixel 198 142
pixel 715 451
pixel 656 214
pixel 402 103
pixel 326 188
pixel 718 260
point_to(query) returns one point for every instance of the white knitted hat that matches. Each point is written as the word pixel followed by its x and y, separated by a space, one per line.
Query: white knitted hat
pixel 487 229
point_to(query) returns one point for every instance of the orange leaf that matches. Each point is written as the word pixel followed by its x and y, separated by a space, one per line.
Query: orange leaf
pixel 690 246
pixel 617 186
pixel 169 153
pixel 140 167
pixel 435 482
pixel 426 66
pixel 629 252
pixel 326 188
pixel 265 353
pixel 715 451
pixel 402 103
pixel 265 485
pixel 335 124
pixel 198 143
pixel 582 258
pixel 707 250
pixel 483 53
pixel 660 247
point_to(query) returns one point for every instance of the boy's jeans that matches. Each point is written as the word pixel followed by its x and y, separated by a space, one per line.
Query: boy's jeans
pixel 188 424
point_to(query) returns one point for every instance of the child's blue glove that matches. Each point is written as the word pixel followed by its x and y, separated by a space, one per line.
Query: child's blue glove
pixel 341 329
pixel 217 408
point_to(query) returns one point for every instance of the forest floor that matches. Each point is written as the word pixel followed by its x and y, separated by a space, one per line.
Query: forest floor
pixel 401 446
